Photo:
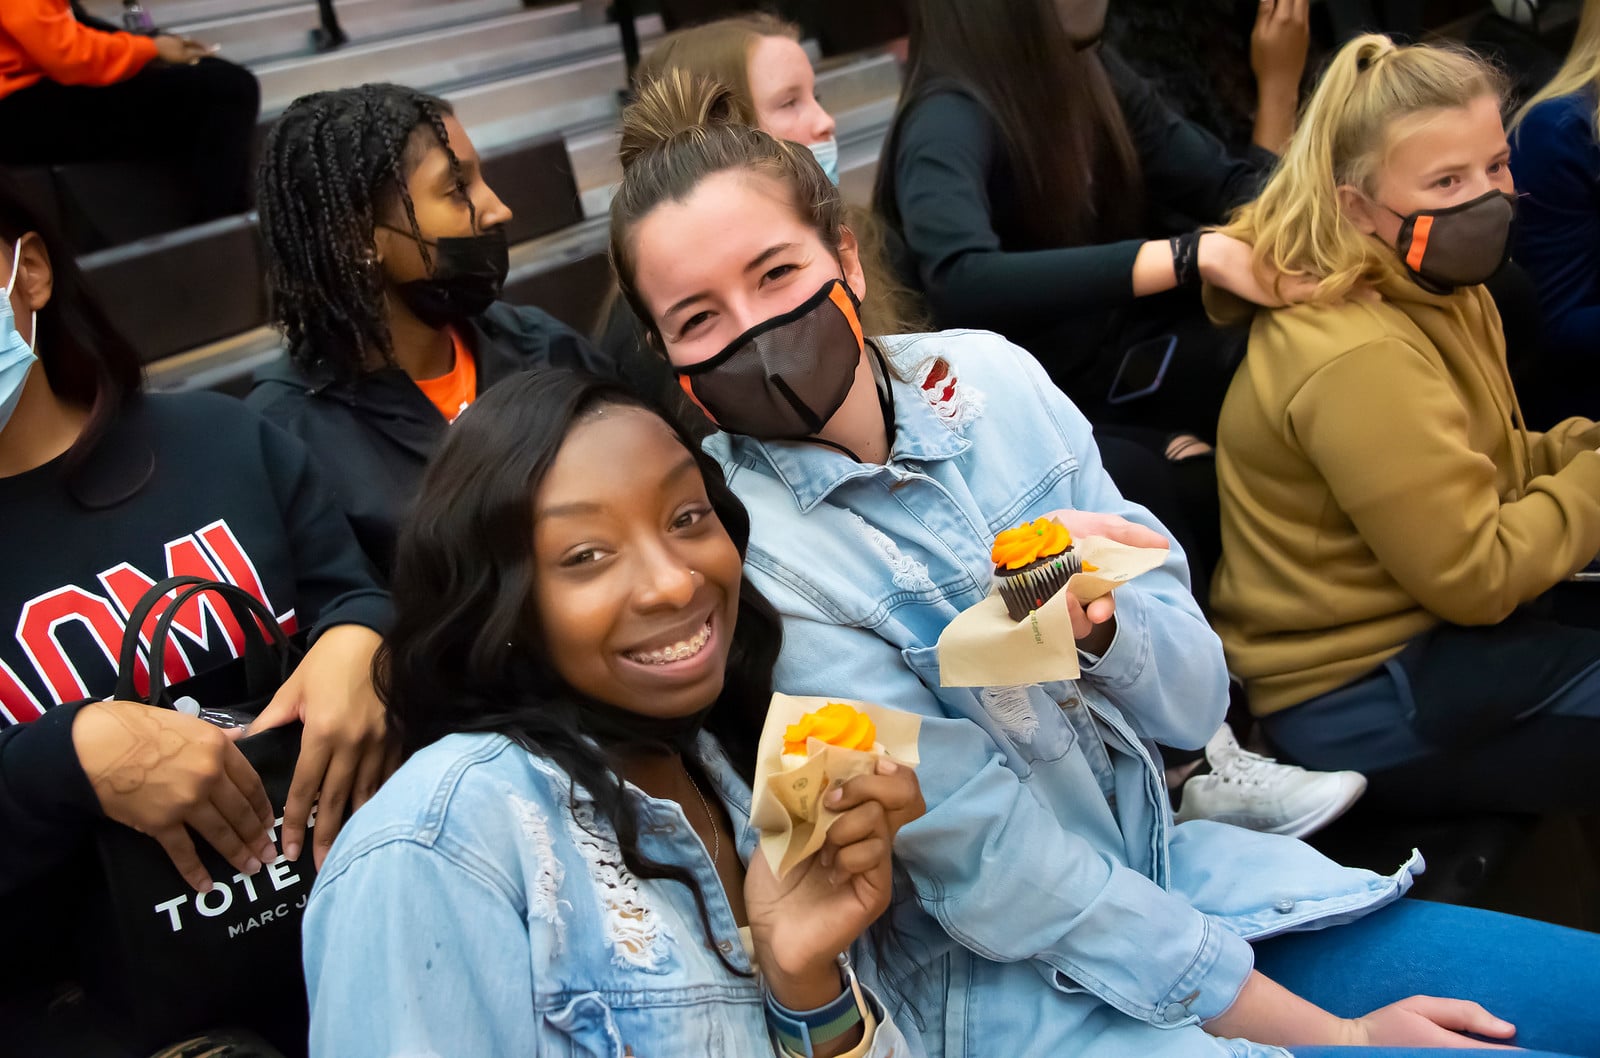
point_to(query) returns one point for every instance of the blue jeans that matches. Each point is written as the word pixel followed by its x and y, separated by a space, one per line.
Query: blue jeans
pixel 1544 762
pixel 1544 979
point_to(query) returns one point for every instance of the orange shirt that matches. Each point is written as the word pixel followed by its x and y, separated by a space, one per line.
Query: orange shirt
pixel 452 392
pixel 42 39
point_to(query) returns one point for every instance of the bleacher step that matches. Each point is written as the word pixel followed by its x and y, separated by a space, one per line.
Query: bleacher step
pixel 476 52
pixel 286 32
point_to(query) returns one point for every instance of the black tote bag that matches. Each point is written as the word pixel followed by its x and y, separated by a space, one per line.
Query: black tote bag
pixel 160 958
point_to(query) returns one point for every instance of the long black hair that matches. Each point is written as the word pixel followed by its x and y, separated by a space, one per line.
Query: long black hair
pixel 87 361
pixel 467 652
pixel 333 163
pixel 1060 124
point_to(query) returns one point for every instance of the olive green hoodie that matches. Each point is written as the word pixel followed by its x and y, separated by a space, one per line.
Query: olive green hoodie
pixel 1376 479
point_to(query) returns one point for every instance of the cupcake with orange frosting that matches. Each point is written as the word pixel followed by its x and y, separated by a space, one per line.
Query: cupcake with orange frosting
pixel 1032 563
pixel 835 724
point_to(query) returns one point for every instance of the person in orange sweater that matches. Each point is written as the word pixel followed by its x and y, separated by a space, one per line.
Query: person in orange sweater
pixel 1395 540
pixel 71 92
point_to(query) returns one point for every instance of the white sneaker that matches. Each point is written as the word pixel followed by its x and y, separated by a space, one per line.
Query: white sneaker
pixel 1256 792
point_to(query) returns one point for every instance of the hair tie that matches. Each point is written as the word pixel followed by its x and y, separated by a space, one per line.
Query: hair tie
pixel 1366 62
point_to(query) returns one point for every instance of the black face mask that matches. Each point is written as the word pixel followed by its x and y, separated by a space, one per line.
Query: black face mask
pixel 1461 246
pixel 783 379
pixel 469 272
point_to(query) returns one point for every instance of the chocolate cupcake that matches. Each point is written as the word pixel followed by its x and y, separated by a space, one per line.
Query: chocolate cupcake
pixel 1032 563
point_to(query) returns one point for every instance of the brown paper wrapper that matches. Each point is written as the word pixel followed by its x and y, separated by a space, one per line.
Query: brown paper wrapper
pixel 787 808
pixel 984 647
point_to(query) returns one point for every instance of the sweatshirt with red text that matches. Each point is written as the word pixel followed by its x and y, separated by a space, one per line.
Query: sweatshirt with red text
pixel 182 484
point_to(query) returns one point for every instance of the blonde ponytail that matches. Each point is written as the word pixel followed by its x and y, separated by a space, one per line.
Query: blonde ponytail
pixel 1296 225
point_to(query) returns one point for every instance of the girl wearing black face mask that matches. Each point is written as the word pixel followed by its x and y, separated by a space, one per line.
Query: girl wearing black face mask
pixel 386 259
pixel 1395 539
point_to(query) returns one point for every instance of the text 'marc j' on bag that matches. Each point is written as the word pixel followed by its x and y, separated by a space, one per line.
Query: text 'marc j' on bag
pixel 166 960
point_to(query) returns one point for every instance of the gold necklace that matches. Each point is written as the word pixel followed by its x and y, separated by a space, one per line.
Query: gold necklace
pixel 711 820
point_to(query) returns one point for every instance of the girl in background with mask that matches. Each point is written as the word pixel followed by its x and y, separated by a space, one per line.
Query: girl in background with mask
pixel 1059 910
pixel 580 674
pixel 386 255
pixel 1391 529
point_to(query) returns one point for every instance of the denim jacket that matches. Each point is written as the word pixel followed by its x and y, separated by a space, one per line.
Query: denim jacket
pixel 1051 881
pixel 472 909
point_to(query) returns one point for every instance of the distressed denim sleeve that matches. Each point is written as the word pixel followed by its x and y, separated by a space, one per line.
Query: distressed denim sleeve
pixel 1097 925
pixel 408 952
pixel 1164 670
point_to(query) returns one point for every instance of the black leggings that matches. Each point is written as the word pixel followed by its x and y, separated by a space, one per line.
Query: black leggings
pixel 202 117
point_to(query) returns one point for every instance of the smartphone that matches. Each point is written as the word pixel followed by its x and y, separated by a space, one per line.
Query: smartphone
pixel 1142 370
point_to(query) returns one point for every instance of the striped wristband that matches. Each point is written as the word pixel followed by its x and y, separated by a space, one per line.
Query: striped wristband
pixel 799 1031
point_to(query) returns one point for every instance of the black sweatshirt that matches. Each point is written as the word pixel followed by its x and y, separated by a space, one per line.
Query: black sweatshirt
pixel 225 495
pixel 954 197
pixel 373 436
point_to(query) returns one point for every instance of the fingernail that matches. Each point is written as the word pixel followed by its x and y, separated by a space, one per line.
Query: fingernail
pixel 252 865
pixel 834 796
pixel 887 766
pixel 827 857
pixel 835 877
pixel 203 885
pixel 292 850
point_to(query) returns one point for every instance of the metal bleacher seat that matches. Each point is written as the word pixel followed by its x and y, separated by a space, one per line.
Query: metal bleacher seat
pixel 208 278
pixel 566 273
pixel 535 179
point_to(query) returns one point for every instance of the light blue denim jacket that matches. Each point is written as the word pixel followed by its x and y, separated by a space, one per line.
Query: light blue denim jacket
pixel 1053 879
pixel 467 911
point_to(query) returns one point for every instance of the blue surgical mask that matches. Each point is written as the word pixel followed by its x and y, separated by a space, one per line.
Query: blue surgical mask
pixel 827 155
pixel 16 358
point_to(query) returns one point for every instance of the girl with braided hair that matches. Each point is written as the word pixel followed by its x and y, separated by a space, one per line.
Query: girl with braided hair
pixel 386 256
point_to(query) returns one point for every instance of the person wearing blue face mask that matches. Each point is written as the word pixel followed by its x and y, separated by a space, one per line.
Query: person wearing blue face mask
pixel 16 355
pixel 105 491
pixel 387 259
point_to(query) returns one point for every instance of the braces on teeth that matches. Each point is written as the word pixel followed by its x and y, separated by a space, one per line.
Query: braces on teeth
pixel 681 652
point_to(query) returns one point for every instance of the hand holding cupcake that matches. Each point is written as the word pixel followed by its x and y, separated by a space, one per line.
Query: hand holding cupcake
pixel 1016 635
pixel 808 747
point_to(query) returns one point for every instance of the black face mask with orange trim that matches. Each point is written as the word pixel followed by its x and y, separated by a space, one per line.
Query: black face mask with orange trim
pixel 783 379
pixel 1461 246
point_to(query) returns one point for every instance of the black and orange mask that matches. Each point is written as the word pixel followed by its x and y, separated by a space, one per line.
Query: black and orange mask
pixel 1461 246
pixel 784 378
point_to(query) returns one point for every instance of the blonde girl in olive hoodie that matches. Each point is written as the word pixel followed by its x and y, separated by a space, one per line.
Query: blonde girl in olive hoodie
pixel 1391 529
